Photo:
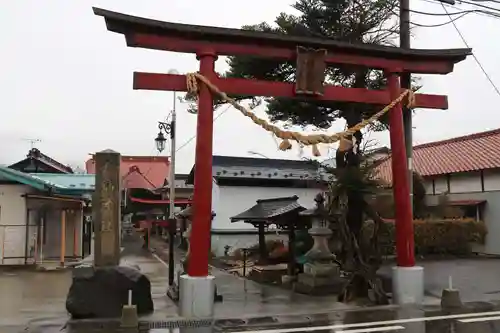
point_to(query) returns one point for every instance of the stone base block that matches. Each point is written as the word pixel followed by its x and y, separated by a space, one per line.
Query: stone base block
pixel 450 299
pixel 320 269
pixel 196 296
pixel 314 285
pixel 287 279
pixel 408 285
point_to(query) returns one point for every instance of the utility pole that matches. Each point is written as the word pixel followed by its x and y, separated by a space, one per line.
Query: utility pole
pixel 160 140
pixel 172 223
pixel 404 42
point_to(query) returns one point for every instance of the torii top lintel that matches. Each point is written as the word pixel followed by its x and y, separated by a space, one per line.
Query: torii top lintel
pixel 153 34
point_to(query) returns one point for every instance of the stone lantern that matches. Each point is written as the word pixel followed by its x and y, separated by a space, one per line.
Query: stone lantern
pixel 320 232
pixel 320 270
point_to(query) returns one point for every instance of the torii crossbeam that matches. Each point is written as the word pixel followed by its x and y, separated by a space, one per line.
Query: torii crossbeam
pixel 312 56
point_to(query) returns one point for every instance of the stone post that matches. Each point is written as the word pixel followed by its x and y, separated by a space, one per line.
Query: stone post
pixel 106 209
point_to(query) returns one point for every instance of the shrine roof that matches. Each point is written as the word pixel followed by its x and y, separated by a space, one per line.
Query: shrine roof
pixel 188 212
pixel 128 25
pixel 269 209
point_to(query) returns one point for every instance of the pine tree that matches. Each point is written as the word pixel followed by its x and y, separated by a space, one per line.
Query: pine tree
pixel 362 21
pixel 353 21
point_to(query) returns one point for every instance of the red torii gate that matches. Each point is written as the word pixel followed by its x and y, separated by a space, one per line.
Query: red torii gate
pixel 209 42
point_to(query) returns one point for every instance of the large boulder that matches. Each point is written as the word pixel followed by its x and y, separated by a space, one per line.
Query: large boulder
pixel 102 292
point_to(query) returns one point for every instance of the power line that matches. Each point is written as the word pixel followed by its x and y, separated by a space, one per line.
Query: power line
pixel 438 24
pixel 187 142
pixel 479 5
pixel 194 136
pixel 473 55
pixel 452 20
pixel 475 11
pixel 494 1
pixel 480 12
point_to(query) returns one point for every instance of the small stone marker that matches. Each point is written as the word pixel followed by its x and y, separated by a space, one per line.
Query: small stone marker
pixel 129 314
pixel 450 298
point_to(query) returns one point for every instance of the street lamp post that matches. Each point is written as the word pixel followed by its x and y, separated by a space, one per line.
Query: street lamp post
pixel 169 128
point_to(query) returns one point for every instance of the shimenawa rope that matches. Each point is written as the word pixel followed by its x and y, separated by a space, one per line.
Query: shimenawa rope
pixel 304 139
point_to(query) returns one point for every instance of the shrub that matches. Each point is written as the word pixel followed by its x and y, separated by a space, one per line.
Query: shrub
pixel 434 236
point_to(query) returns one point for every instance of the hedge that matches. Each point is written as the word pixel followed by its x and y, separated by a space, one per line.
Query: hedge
pixel 452 237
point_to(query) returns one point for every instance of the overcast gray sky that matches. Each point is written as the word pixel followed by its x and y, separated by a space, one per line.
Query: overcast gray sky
pixel 67 81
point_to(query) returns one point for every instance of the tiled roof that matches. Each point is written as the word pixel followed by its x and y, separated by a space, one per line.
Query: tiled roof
pixel 147 172
pixel 251 168
pixel 36 155
pixel 81 182
pixel 229 161
pixel 267 209
pixel 473 152
pixel 59 183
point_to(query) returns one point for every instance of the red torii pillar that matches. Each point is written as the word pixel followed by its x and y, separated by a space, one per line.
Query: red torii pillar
pixel 209 42
pixel 203 178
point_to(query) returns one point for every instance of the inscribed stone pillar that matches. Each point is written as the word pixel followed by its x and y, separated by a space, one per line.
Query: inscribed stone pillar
pixel 106 208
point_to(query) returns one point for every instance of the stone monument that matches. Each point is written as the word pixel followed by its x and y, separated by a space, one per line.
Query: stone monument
pixel 106 209
pixel 321 272
pixel 102 290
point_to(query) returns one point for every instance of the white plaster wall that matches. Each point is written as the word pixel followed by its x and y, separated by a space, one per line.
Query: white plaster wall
pixel 228 201
pixel 491 180
pixel 12 223
pixel 215 196
pixel 440 185
pixel 232 200
pixel 465 182
pixel 428 186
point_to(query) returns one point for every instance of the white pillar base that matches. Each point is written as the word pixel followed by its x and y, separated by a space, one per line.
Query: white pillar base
pixel 408 285
pixel 196 296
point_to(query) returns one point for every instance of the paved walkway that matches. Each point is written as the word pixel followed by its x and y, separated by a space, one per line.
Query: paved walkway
pixel 477 279
pixel 32 296
pixel 243 297
pixel 38 298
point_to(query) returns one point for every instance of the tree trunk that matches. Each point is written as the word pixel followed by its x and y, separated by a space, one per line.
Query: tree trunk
pixel 354 197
